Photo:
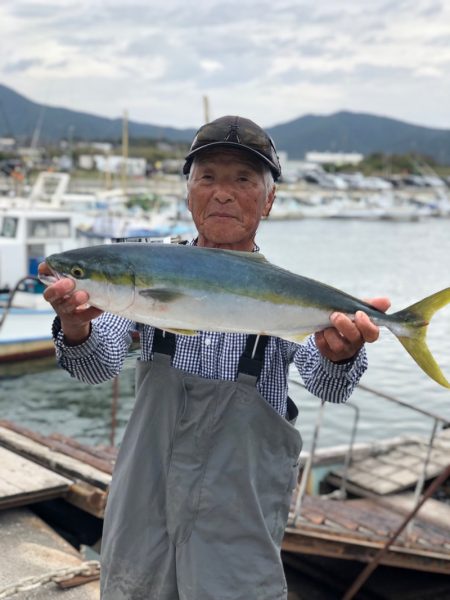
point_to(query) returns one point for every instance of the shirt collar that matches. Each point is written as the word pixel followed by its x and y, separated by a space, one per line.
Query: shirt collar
pixel 194 242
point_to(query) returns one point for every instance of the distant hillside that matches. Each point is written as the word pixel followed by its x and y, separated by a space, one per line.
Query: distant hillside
pixel 356 132
pixel 20 117
pixel 342 131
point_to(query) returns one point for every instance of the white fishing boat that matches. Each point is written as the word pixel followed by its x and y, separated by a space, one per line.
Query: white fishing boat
pixel 26 332
pixel 28 235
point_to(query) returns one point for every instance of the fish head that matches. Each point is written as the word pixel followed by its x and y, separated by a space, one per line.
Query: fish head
pixel 106 277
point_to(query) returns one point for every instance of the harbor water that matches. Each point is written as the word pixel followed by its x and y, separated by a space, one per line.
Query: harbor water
pixel 403 260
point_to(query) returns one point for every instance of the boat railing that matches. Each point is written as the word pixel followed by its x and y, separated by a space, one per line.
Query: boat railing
pixel 8 295
pixel 437 420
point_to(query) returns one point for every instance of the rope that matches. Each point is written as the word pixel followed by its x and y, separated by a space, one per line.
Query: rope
pixel 86 569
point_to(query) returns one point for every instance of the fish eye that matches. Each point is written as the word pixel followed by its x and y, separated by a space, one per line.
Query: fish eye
pixel 77 272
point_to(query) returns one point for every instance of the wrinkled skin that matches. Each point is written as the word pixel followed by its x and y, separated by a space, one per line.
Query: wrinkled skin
pixel 228 195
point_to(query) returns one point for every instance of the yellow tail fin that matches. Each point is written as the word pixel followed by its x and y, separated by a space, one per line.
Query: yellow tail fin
pixel 417 318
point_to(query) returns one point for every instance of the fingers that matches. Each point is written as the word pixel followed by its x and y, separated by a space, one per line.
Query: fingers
pixel 44 269
pixel 346 328
pixel 69 304
pixel 59 290
pixel 356 332
pixel 347 336
pixel 345 339
pixel 368 330
pixel 381 303
pixel 334 346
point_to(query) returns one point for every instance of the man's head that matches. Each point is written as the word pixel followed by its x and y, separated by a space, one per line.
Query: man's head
pixel 235 132
pixel 229 192
pixel 231 168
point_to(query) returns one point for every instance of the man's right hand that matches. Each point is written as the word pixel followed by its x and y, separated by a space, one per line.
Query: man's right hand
pixel 71 307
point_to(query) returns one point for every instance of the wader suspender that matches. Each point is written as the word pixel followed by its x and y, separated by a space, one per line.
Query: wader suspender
pixel 250 363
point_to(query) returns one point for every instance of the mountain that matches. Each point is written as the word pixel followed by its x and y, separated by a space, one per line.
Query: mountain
pixel 340 132
pixel 358 132
pixel 20 118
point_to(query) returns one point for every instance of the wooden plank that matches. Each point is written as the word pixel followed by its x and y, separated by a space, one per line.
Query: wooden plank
pixel 434 512
pixel 109 454
pixel 61 463
pixel 73 449
pixel 23 481
pixel 395 470
pixel 368 481
pixel 87 497
pixel 309 542
pixel 371 518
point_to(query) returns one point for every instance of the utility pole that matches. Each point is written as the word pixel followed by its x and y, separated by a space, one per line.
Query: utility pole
pixel 124 151
pixel 206 109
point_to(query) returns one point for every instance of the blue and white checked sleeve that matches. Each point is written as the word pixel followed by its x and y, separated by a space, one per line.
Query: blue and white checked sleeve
pixel 327 380
pixel 102 355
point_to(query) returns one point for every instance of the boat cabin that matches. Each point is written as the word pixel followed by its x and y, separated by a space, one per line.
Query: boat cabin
pixel 27 237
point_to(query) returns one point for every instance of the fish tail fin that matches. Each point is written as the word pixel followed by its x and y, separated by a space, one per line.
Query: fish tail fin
pixel 416 319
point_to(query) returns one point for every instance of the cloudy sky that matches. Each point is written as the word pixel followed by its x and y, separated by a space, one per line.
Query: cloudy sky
pixel 270 60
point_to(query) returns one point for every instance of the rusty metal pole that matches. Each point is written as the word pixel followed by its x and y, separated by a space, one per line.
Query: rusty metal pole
pixel 365 573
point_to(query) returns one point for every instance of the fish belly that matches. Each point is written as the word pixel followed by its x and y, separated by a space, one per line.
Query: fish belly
pixel 228 313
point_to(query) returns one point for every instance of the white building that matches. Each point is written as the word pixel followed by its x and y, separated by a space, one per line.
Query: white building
pixel 334 158
pixel 113 164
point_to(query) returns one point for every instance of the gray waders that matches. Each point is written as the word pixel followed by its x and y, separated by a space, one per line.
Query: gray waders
pixel 201 489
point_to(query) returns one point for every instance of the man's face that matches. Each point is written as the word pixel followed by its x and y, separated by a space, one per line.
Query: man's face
pixel 227 196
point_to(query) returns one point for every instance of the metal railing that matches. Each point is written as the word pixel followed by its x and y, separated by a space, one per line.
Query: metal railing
pixel 8 304
pixel 437 419
pixel 419 497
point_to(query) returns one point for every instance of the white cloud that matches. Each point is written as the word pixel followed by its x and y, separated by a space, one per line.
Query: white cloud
pixel 270 61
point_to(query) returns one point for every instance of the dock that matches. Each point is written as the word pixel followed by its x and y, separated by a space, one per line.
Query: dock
pixel 52 490
pixel 38 564
pixel 38 471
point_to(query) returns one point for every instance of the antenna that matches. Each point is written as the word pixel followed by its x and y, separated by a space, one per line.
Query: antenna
pixel 37 129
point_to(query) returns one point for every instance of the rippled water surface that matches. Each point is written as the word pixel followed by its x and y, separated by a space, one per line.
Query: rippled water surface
pixel 405 261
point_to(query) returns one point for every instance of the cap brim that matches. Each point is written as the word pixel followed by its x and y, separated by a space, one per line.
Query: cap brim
pixel 276 171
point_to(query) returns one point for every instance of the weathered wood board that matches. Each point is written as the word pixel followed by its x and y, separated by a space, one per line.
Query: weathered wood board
pixel 58 461
pixel 23 481
pixel 396 469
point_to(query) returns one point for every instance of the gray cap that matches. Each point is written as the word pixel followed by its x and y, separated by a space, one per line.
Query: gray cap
pixel 235 132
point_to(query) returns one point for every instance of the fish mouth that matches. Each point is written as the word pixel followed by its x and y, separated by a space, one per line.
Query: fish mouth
pixel 50 279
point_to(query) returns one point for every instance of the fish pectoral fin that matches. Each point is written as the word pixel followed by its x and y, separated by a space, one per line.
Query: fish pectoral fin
pixel 181 331
pixel 160 294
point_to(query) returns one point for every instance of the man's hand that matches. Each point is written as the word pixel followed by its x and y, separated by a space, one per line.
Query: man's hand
pixel 346 338
pixel 71 308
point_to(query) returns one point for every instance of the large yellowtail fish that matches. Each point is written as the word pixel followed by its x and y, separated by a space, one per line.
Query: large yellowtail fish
pixel 185 289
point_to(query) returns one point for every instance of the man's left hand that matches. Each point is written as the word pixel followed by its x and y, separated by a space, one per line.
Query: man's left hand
pixel 346 337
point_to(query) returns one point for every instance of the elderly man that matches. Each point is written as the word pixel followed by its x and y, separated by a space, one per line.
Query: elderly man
pixel 201 488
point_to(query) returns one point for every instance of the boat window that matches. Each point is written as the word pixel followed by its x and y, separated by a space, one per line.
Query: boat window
pixel 40 228
pixel 9 227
